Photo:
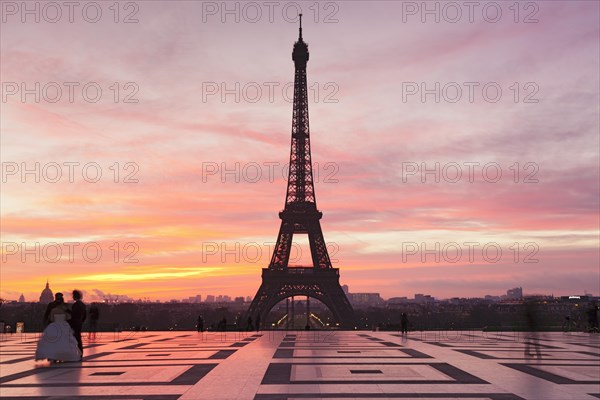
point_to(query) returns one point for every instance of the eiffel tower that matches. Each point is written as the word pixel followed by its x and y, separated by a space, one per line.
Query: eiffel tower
pixel 300 216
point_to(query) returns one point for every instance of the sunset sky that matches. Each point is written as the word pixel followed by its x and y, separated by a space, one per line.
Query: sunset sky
pixel 182 219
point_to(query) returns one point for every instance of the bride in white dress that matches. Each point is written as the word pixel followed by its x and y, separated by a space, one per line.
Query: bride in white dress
pixel 57 342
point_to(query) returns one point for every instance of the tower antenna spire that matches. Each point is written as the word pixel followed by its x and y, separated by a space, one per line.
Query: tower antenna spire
pixel 300 15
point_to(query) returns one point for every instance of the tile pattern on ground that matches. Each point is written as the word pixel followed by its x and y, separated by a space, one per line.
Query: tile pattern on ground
pixel 153 366
pixel 310 365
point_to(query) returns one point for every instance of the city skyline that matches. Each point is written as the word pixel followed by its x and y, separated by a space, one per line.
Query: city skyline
pixel 100 296
pixel 177 209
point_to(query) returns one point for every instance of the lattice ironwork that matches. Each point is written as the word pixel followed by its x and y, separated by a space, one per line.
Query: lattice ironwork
pixel 301 216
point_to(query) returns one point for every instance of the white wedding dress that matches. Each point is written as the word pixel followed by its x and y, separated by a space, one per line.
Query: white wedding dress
pixel 57 342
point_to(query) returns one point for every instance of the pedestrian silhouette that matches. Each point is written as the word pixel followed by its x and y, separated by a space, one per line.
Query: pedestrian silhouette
pixel 94 316
pixel 404 324
pixel 200 324
pixel 531 318
pixel 592 314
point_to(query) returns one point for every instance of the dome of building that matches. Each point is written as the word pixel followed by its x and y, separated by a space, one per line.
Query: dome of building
pixel 21 298
pixel 47 296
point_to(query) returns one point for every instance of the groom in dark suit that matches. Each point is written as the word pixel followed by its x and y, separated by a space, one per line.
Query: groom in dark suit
pixel 78 314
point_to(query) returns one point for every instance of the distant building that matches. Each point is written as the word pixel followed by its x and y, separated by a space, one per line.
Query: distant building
pixel 577 297
pixel 492 298
pixel 193 299
pixel 423 298
pixel 397 300
pixel 21 298
pixel 239 299
pixel 514 294
pixel 47 296
pixel 345 289
pixel 210 299
pixel 248 299
pixel 365 299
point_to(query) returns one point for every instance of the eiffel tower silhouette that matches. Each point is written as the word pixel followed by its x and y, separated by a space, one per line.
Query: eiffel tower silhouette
pixel 300 216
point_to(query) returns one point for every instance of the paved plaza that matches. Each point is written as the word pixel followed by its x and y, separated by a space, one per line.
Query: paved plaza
pixel 308 365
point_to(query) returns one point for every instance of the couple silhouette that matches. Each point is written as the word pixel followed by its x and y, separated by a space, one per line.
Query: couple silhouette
pixel 61 339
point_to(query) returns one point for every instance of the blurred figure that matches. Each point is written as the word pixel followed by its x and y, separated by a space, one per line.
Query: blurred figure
pixel 531 318
pixel 258 323
pixel 592 314
pixel 249 325
pixel 404 324
pixel 567 325
pixel 94 316
pixel 200 324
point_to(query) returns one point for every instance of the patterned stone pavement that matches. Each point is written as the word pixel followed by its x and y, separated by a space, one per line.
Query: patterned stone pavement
pixel 309 365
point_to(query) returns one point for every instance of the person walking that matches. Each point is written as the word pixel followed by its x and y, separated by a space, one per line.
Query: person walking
pixel 533 327
pixel 94 316
pixel 404 323
pixel 200 324
pixel 592 314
